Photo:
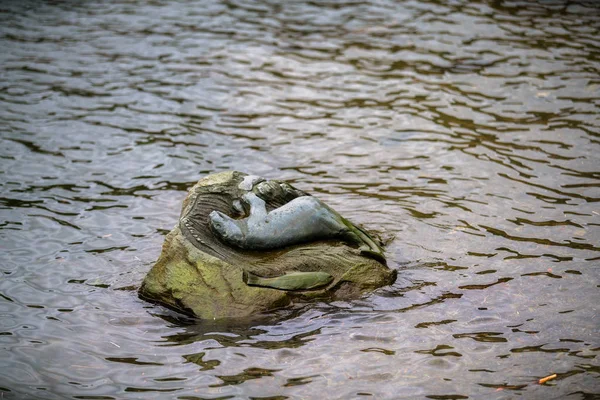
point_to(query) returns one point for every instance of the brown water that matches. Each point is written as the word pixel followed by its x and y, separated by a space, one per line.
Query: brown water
pixel 465 132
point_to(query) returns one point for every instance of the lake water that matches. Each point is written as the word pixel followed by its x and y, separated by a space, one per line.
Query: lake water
pixel 466 133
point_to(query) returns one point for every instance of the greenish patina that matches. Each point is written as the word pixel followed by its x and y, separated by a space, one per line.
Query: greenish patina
pixel 304 219
pixel 290 280
pixel 245 245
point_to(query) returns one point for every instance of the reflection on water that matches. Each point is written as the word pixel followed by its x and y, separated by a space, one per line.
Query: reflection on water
pixel 466 133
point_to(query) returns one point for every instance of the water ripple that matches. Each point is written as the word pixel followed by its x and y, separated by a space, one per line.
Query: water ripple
pixel 464 133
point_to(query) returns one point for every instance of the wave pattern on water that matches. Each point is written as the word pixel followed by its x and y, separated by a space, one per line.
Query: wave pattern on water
pixel 466 133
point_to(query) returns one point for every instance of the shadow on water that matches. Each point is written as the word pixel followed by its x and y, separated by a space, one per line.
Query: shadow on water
pixel 235 333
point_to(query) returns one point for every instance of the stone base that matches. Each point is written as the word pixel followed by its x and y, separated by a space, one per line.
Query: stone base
pixel 200 275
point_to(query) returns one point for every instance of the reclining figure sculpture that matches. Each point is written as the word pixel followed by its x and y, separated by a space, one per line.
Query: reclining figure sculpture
pixel 245 245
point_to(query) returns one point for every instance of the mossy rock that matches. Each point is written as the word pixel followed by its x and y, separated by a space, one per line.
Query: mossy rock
pixel 200 273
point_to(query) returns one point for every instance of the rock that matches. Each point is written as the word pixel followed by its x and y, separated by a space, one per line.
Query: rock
pixel 203 272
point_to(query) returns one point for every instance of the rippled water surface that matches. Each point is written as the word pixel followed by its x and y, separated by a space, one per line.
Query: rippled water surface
pixel 466 133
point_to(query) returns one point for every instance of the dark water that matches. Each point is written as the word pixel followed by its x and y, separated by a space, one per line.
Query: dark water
pixel 465 132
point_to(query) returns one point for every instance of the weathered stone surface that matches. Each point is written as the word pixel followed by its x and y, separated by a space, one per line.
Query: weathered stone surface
pixel 201 273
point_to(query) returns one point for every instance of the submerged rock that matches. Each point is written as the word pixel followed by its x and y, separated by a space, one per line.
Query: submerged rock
pixel 244 246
